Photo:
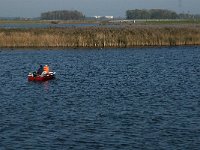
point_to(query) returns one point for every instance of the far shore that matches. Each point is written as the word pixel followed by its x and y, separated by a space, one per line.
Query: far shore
pixel 129 35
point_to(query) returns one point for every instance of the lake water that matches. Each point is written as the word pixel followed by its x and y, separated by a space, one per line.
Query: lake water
pixel 137 98
pixel 28 26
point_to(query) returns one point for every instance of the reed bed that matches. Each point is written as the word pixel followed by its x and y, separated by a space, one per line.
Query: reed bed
pixel 126 36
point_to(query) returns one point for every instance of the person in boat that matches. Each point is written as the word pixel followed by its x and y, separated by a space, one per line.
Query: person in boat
pixel 40 70
pixel 46 69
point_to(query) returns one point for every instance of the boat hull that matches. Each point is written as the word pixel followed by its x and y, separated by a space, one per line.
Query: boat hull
pixel 49 76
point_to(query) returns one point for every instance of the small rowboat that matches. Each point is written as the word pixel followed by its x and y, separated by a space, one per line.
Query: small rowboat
pixel 43 77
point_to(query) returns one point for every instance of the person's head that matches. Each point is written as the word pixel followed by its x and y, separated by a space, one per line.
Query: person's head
pixel 41 66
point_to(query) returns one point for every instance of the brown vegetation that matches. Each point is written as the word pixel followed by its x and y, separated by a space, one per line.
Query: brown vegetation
pixel 129 36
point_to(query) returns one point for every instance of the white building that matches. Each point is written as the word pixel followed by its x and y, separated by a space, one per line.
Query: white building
pixel 103 17
pixel 97 17
pixel 109 17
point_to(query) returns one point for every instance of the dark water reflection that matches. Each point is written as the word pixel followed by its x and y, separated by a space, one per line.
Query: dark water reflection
pixel 144 98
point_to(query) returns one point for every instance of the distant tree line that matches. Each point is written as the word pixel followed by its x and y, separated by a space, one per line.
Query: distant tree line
pixel 158 14
pixel 62 15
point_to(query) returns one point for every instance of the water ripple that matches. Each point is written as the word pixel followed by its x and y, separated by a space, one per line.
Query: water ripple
pixel 110 99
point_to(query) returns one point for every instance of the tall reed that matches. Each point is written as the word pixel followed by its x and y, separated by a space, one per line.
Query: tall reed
pixel 128 36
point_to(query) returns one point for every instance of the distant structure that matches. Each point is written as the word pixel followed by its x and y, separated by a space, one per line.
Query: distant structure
pixel 108 17
pixel 103 17
pixel 97 17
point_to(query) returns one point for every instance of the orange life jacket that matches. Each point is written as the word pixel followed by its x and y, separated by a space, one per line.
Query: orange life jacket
pixel 46 68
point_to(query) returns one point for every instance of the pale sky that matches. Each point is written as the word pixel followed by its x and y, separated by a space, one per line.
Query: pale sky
pixel 116 8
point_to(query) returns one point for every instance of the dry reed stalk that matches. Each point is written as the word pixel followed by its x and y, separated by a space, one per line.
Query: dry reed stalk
pixel 101 37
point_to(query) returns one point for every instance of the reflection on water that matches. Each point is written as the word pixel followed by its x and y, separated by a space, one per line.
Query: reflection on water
pixel 46 85
pixel 142 98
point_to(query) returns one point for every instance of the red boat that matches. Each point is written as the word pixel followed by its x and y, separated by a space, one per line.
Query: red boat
pixel 43 77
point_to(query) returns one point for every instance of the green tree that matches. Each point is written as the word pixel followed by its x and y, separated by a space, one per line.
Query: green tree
pixel 62 15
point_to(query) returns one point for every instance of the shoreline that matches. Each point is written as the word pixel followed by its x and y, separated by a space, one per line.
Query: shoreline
pixel 82 48
pixel 101 37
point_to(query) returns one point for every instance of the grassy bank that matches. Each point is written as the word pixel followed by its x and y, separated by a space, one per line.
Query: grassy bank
pixel 126 36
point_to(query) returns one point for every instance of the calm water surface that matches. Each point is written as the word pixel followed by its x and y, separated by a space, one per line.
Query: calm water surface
pixel 28 26
pixel 146 98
